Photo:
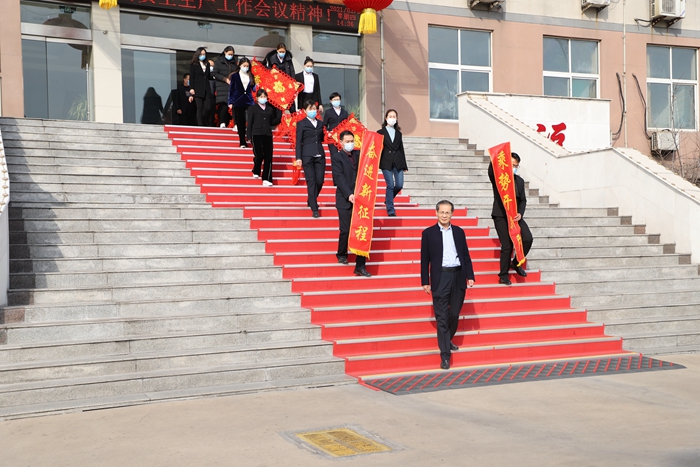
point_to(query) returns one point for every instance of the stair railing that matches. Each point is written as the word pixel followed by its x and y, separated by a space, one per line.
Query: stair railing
pixel 4 226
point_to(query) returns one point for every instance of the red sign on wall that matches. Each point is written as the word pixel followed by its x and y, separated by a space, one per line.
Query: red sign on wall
pixel 323 15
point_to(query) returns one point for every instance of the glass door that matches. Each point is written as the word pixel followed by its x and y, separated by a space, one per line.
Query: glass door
pixel 148 77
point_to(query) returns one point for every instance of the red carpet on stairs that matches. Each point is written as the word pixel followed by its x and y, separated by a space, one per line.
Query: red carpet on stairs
pixel 384 325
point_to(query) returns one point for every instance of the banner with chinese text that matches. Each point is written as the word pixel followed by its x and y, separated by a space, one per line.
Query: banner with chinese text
pixel 282 89
pixel 505 183
pixel 360 240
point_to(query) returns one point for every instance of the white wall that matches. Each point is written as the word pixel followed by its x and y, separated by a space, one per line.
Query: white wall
pixel 106 65
pixel 625 179
pixel 4 227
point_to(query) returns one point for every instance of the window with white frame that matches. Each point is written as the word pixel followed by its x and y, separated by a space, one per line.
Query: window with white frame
pixel 672 82
pixel 570 68
pixel 459 61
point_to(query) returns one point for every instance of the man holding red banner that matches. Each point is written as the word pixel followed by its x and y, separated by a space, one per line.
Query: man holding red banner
pixel 344 165
pixel 500 221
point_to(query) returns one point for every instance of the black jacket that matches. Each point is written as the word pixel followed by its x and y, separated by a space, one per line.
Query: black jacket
pixel 344 177
pixel 332 119
pixel 309 139
pixel 260 122
pixel 498 209
pixel 313 94
pixel 223 68
pixel 181 101
pixel 392 152
pixel 199 80
pixel 431 256
pixel 237 95
pixel 286 66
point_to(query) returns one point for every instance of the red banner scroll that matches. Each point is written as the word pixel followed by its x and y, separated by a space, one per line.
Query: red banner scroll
pixel 361 226
pixel 505 183
pixel 282 89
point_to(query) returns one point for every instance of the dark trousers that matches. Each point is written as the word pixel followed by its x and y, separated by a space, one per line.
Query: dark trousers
pixel 203 104
pixel 187 118
pixel 224 116
pixel 501 226
pixel 448 299
pixel 262 149
pixel 314 173
pixel 344 219
pixel 240 114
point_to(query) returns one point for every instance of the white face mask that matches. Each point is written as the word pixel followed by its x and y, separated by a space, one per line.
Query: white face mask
pixel 391 121
pixel 349 147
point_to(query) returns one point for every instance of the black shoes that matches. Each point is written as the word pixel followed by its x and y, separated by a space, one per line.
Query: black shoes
pixel 519 270
pixel 362 272
pixel 343 259
pixel 504 281
pixel 445 364
pixel 392 215
pixel 316 215
pixel 453 347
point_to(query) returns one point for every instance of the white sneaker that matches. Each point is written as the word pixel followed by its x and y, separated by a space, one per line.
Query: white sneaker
pixel 235 128
pixel 256 176
pixel 223 125
pixel 266 183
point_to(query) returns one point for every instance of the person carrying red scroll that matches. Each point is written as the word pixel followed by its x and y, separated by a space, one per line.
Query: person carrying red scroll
pixel 508 219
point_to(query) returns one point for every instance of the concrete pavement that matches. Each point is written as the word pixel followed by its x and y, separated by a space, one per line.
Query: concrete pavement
pixel 644 419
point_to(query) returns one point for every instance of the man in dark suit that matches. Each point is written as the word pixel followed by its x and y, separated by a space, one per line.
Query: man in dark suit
pixel 344 165
pixel 446 271
pixel 183 103
pixel 500 222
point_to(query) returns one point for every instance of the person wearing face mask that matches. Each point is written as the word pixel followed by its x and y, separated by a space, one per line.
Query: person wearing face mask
pixel 240 96
pixel 224 65
pixel 333 116
pixel 344 164
pixel 280 58
pixel 310 152
pixel 393 160
pixel 500 223
pixel 312 85
pixel 183 102
pixel 261 118
pixel 200 90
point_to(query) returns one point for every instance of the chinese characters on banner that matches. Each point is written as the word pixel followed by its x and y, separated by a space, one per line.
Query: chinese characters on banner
pixel 557 136
pixel 505 182
pixel 282 89
pixel 360 240
pixel 322 15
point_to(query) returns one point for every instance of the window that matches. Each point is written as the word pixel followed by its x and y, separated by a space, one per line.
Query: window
pixel 459 61
pixel 570 68
pixel 336 43
pixel 53 14
pixel 671 87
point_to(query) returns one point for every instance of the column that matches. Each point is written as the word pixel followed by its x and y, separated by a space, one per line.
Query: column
pixel 106 65
pixel 300 43
pixel 11 78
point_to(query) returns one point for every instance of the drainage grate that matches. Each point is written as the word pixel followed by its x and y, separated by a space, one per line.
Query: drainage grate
pixel 485 376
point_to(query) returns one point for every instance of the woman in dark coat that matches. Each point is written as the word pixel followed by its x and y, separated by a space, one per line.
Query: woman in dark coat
pixel 152 107
pixel 199 84
pixel 240 96
pixel 280 58
pixel 333 116
pixel 310 152
pixel 261 118
pixel 312 85
pixel 224 65
pixel 393 159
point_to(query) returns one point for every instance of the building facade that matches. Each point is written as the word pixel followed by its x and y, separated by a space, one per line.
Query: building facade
pixel 79 61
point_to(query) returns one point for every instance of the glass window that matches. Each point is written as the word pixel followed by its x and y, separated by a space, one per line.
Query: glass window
pixel 570 68
pixel 54 14
pixel 345 81
pixel 56 78
pixel 204 31
pixel 147 81
pixel 459 61
pixel 671 87
pixel 336 43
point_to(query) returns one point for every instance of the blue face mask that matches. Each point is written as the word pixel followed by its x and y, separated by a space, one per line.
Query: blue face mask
pixel 229 57
pixel 202 57
pixel 244 69
pixel 515 170
pixel 311 113
pixel 349 147
pixel 335 103
pixel 281 55
pixel 309 69
pixel 262 100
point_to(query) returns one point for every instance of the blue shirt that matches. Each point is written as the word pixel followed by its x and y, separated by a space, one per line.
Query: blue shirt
pixel 449 250
pixel 391 131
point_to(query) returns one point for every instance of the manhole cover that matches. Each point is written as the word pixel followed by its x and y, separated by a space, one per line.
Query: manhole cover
pixel 345 441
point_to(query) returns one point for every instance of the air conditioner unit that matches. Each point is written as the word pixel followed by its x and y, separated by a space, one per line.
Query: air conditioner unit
pixel 664 140
pixel 490 4
pixel 667 10
pixel 597 4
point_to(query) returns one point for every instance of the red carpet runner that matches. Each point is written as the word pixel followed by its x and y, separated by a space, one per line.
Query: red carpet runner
pixel 384 324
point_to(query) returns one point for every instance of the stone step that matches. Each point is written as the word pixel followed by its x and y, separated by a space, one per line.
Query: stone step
pixel 627 285
pixel 80 127
pixel 621 313
pixel 97 170
pixel 81 224
pixel 66 239
pixel 458 168
pixel 130 250
pixel 607 274
pixel 639 298
pixel 554 241
pixel 25 155
pixel 459 183
pixel 124 146
pixel 58 189
pixel 115 139
pixel 685 324
pixel 51 178
pixel 605 262
pixel 140 263
pixel 123 212
pixel 656 342
pixel 147 382
pixel 58 163
pixel 146 292
pixel 106 198
pixel 537 253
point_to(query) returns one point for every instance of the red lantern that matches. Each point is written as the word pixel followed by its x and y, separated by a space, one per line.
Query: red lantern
pixel 368 13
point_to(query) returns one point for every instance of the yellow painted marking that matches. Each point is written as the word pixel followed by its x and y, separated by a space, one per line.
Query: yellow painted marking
pixel 342 442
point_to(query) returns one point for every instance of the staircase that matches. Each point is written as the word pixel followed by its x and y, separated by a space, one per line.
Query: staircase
pixel 128 288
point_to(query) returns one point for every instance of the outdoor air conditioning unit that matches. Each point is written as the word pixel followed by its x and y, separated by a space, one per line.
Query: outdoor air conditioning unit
pixel 667 10
pixel 490 4
pixel 664 140
pixel 597 4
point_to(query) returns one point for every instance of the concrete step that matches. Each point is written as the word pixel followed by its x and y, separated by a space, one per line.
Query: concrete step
pixel 52 178
pixel 64 239
pixel 656 342
pixel 589 286
pixel 571 251
pixel 639 298
pixel 79 127
pixel 591 241
pixel 58 163
pixel 124 146
pixel 599 262
pixel 24 155
pixel 608 274
pixel 115 139
pixel 106 198
pixel 97 170
pixel 620 313
pixel 61 188
pixel 81 224
pixel 123 212
pixel 685 324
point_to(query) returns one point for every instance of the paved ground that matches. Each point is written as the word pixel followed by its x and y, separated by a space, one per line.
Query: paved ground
pixel 647 419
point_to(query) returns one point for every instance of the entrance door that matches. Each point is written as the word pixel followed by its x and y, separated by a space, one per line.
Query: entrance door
pixel 147 79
